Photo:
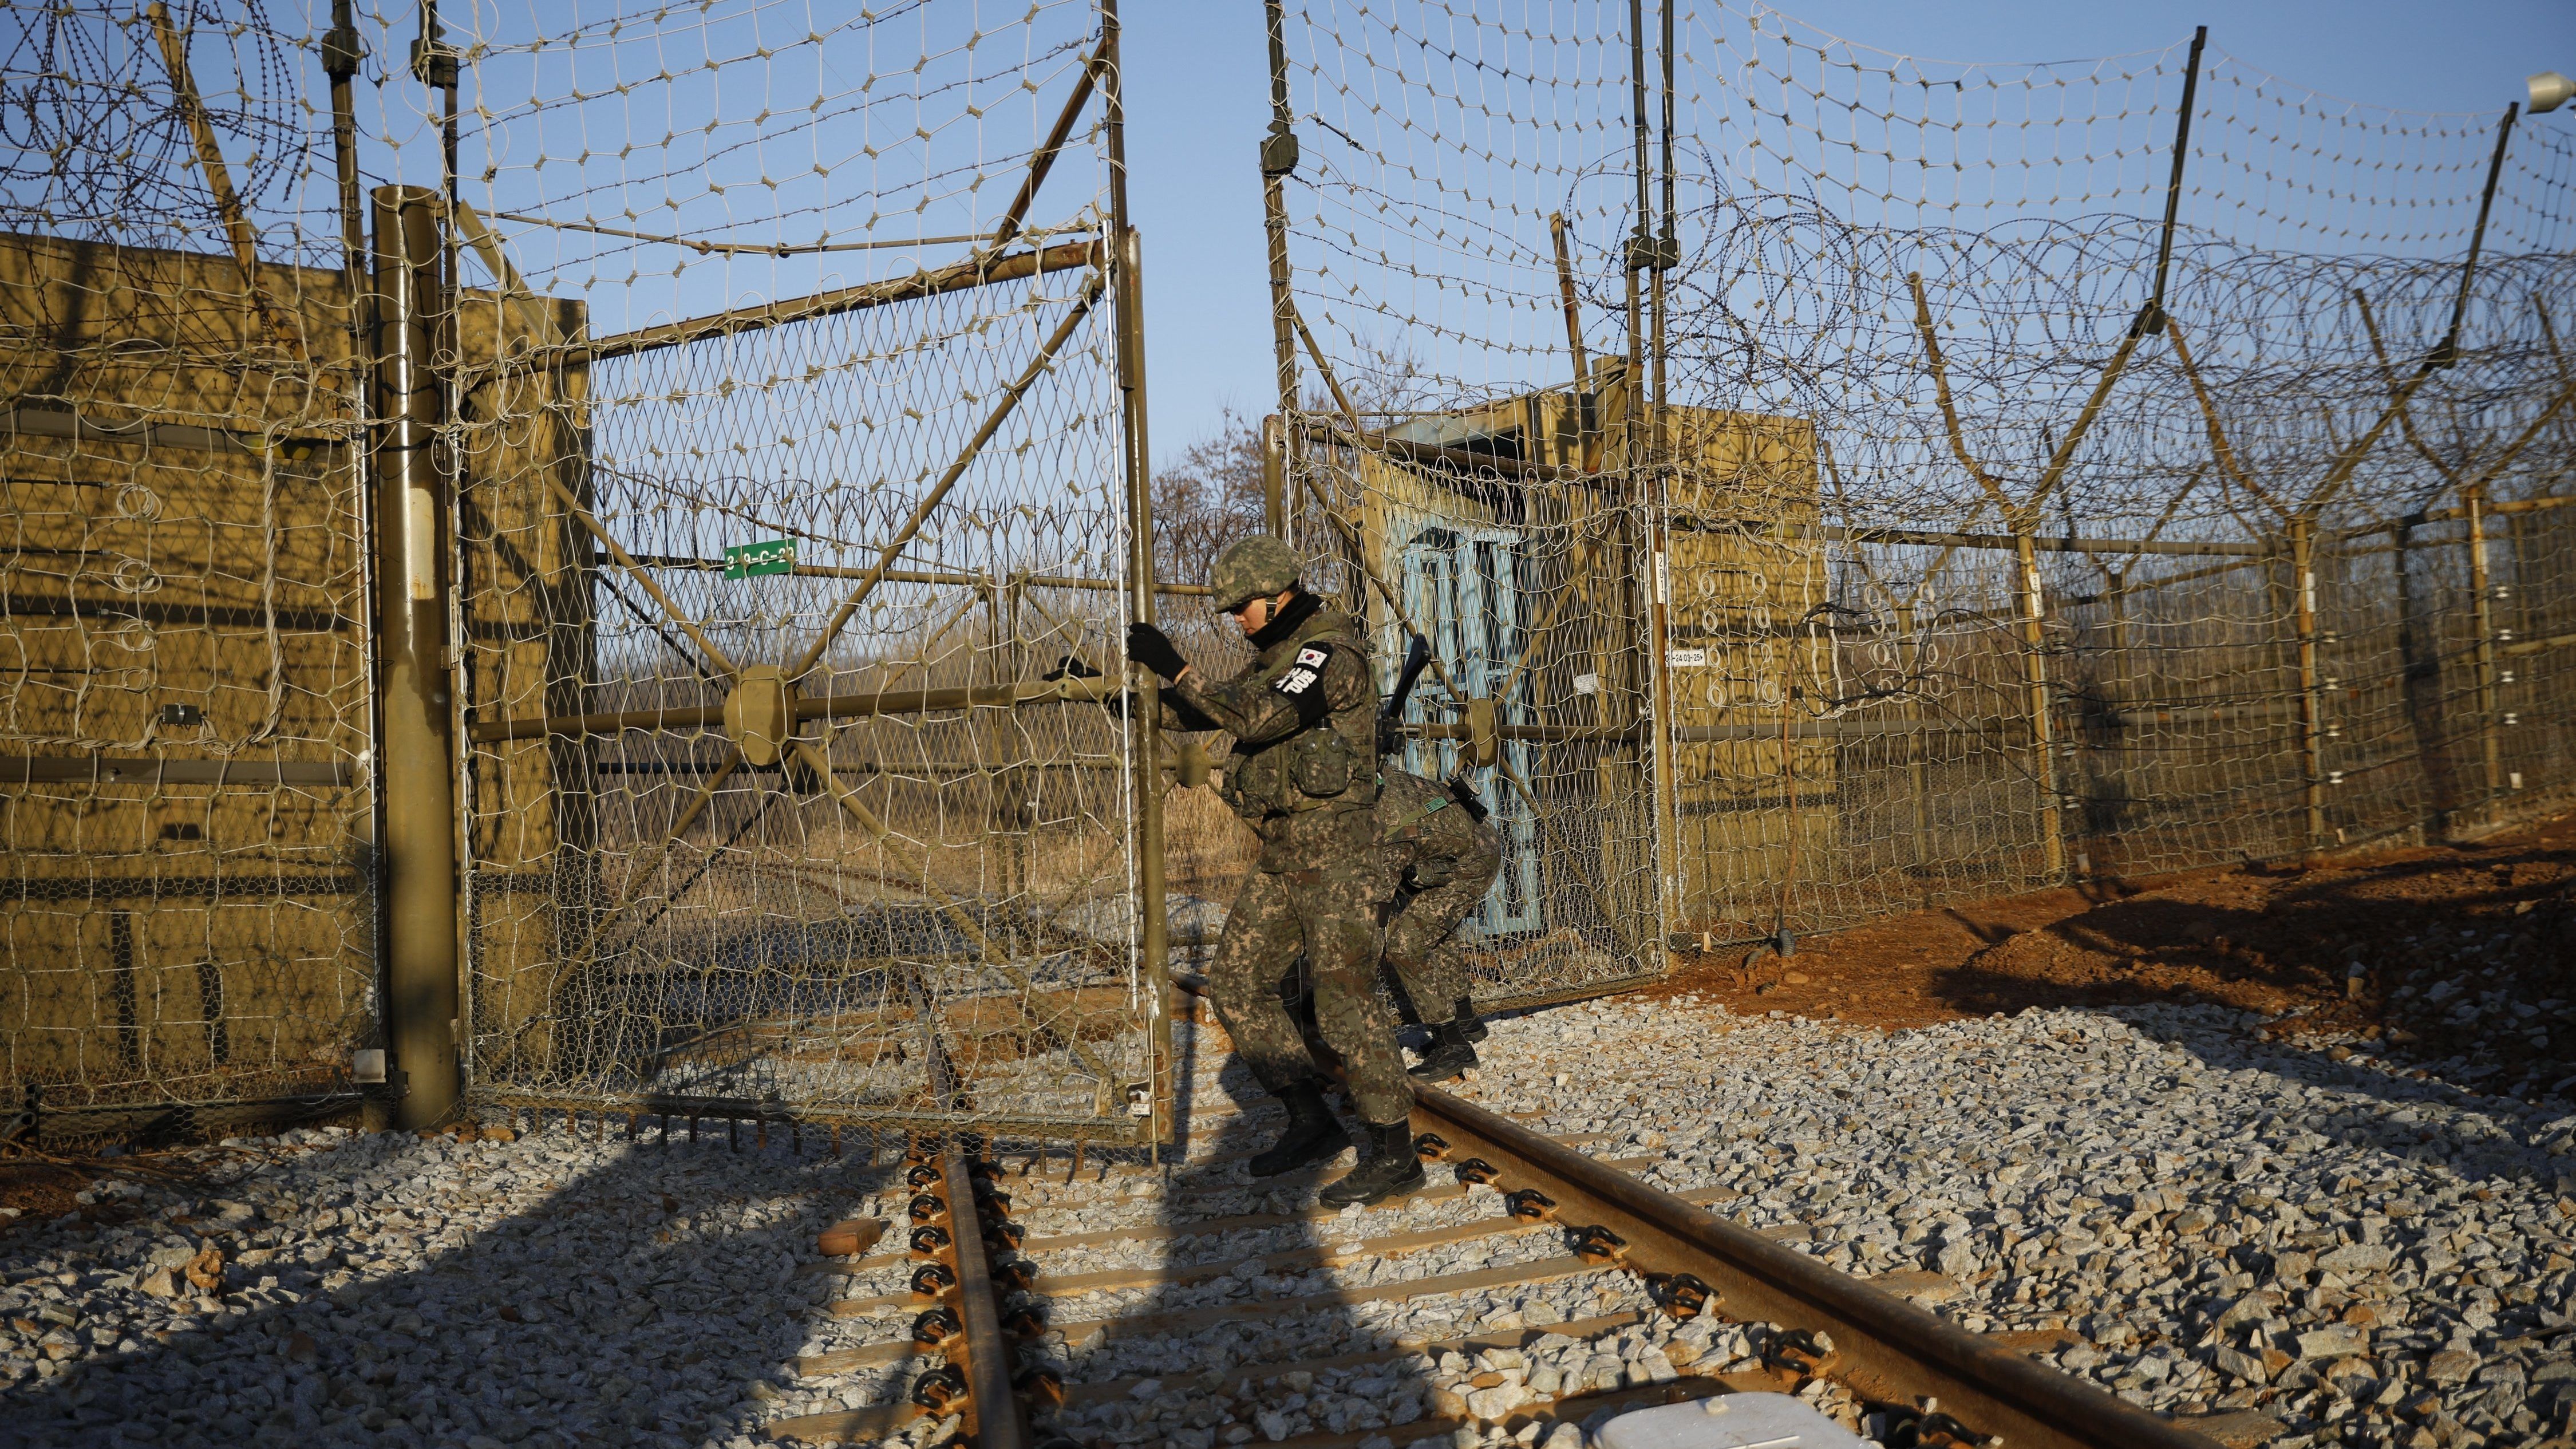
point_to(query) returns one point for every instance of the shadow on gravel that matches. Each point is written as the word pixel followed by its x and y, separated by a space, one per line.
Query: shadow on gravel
pixel 630 1303
pixel 2399 920
pixel 1190 1340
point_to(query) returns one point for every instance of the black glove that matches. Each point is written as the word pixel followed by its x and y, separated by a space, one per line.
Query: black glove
pixel 1149 646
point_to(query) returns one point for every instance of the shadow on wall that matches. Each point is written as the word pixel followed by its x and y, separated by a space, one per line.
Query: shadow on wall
pixel 642 1294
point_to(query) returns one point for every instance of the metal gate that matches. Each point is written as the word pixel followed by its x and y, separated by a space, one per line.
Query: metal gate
pixel 777 799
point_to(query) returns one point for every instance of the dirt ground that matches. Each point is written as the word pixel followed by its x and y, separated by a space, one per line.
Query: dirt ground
pixel 43 1187
pixel 2498 916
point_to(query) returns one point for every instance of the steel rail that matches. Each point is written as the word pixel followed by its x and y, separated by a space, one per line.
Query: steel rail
pixel 981 1349
pixel 1887 1349
pixel 1109 1131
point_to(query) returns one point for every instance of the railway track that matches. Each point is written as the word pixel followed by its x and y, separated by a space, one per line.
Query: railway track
pixel 1041 1298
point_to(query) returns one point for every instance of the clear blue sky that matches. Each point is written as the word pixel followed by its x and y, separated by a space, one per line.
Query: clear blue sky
pixel 1198 102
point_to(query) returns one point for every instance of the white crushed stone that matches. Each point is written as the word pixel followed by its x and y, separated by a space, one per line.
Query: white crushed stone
pixel 2230 1223
pixel 393 1290
pixel 2224 1222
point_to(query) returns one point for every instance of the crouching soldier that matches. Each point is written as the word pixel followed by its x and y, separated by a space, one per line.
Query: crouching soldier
pixel 1304 776
pixel 1442 857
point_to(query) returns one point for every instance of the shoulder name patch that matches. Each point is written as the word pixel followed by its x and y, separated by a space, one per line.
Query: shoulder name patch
pixel 1304 672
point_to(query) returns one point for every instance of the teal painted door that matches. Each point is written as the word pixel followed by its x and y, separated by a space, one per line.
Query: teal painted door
pixel 1462 587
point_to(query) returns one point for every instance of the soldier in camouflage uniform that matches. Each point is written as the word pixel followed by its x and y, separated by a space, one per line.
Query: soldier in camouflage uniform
pixel 1443 857
pixel 1304 775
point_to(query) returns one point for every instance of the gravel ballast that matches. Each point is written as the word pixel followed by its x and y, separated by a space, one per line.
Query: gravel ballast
pixel 2228 1222
pixel 2162 1199
pixel 390 1289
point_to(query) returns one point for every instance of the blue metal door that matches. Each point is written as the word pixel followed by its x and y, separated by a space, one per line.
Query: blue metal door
pixel 1462 586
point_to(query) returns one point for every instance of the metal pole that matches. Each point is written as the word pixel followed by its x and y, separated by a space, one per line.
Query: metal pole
pixel 1910 657
pixel 2151 317
pixel 2449 350
pixel 1127 274
pixel 2116 706
pixel 1641 241
pixel 1639 460
pixel 436 64
pixel 2043 731
pixel 1278 162
pixel 1274 476
pixel 411 655
pixel 341 53
pixel 1668 245
pixel 2303 623
pixel 2482 607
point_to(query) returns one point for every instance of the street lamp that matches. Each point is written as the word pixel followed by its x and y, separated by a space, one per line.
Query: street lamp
pixel 2550 90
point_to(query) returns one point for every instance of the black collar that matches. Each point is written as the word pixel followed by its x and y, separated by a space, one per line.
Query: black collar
pixel 1287 621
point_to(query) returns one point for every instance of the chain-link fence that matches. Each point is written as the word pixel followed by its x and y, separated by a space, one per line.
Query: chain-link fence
pixel 778 798
pixel 2011 501
pixel 186 908
pixel 1831 483
pixel 770 435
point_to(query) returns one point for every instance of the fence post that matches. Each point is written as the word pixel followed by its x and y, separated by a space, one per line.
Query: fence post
pixel 2303 623
pixel 1274 476
pixel 419 856
pixel 2043 732
pixel 1909 657
pixel 1642 459
pixel 1278 162
pixel 2110 713
pixel 1004 752
pixel 1127 266
pixel 2482 609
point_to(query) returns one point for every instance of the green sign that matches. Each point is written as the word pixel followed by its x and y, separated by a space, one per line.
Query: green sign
pixel 751 560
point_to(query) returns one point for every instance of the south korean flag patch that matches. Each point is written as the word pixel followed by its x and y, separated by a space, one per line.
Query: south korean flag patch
pixel 1303 680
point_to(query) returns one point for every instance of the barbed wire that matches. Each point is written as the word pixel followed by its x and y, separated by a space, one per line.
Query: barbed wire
pixel 2000 546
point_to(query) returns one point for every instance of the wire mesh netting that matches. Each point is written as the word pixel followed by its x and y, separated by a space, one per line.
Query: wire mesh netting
pixel 795 474
pixel 186 909
pixel 1831 482
pixel 1997 533
pixel 1461 446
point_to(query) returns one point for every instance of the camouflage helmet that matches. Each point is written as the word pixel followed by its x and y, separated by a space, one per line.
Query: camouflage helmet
pixel 1252 568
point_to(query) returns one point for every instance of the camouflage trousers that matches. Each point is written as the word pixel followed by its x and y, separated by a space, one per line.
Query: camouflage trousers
pixel 1330 915
pixel 1421 953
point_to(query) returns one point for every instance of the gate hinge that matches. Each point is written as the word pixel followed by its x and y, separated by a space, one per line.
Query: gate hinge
pixel 342 50
pixel 1279 150
pixel 1648 252
pixel 433 62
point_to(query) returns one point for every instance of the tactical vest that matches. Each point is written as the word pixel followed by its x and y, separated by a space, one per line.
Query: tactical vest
pixel 1329 765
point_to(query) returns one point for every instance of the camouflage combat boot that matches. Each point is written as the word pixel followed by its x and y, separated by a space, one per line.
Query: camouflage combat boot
pixel 1392 1169
pixel 1451 1052
pixel 1313 1133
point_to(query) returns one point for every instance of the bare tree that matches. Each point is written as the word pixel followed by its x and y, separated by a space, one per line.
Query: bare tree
pixel 1207 498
